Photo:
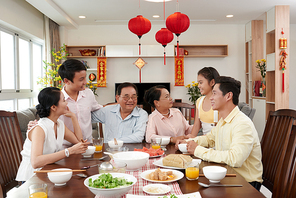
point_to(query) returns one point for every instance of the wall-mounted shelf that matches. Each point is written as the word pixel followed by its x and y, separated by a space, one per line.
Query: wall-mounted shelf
pixel 204 50
pixel 73 51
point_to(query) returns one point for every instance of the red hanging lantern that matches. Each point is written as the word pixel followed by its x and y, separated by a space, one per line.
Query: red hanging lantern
pixel 164 36
pixel 178 23
pixel 139 26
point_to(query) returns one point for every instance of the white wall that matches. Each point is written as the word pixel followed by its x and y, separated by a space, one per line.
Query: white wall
pixel 21 17
pixel 122 69
pixel 292 62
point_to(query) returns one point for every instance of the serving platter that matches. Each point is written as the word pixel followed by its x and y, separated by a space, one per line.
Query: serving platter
pixel 159 163
pixel 178 175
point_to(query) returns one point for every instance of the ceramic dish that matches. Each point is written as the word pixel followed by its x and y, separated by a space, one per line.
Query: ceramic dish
pixel 191 195
pixel 156 156
pixel 178 175
pixel 159 163
pixel 156 189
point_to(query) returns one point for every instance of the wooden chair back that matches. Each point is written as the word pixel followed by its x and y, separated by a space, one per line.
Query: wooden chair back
pixel 10 149
pixel 285 182
pixel 186 110
pixel 274 143
pixel 101 130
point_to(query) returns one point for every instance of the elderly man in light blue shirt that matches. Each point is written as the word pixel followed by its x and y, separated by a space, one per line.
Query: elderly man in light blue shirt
pixel 123 121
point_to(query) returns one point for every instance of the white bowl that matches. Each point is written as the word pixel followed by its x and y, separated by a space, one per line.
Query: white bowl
pixel 90 150
pixel 113 145
pixel 183 148
pixel 59 178
pixel 165 141
pixel 113 192
pixel 134 159
pixel 214 173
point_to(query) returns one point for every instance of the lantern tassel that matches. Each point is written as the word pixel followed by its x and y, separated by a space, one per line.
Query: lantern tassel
pixel 177 46
pixel 283 81
pixel 140 75
pixel 164 56
pixel 139 46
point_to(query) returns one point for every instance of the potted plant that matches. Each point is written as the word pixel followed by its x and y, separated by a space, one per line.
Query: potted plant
pixel 193 91
pixel 261 65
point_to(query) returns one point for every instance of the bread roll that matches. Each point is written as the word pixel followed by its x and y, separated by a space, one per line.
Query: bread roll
pixel 176 160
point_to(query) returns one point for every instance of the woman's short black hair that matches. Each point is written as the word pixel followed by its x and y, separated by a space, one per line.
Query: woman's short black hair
pixel 209 73
pixel 47 97
pixel 153 93
pixel 228 84
pixel 69 67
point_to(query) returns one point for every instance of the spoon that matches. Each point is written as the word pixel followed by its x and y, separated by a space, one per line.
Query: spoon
pixel 208 185
pixel 106 166
pixel 81 175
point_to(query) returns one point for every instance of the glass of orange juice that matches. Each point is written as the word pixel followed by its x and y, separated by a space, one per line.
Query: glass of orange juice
pixel 156 143
pixel 98 143
pixel 192 172
pixel 38 191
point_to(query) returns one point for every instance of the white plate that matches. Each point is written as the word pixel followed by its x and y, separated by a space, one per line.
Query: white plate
pixel 161 187
pixel 191 195
pixel 159 163
pixel 179 175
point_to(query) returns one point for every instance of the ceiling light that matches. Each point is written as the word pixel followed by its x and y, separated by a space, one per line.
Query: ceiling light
pixel 229 15
pixel 155 16
pixel 82 17
pixel 158 0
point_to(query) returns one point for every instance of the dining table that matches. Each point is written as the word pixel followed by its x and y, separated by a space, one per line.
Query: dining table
pixel 75 187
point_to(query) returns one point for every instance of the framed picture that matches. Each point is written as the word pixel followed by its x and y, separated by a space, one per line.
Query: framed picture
pixel 92 77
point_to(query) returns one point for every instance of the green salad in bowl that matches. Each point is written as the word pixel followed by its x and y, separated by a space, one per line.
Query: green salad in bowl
pixel 106 181
pixel 110 184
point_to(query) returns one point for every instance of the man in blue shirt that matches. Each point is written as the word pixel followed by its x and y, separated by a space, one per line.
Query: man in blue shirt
pixel 124 120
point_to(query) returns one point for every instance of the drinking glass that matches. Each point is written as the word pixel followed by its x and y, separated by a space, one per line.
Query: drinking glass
pixel 38 191
pixel 155 143
pixel 98 143
pixel 192 172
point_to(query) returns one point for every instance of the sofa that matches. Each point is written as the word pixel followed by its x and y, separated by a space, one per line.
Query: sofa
pixel 29 114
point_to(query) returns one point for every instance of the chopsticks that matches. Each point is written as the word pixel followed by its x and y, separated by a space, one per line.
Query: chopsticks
pixel 51 171
pixel 115 141
pixel 227 175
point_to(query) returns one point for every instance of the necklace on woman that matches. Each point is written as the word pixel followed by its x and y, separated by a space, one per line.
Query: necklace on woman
pixel 166 113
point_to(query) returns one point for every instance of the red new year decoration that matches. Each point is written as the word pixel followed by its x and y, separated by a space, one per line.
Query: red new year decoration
pixel 164 36
pixel 178 23
pixel 139 26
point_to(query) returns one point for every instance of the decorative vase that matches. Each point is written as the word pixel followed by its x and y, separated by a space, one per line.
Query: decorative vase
pixel 263 87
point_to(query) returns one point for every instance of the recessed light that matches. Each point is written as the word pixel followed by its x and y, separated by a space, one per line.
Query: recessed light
pixel 155 16
pixel 82 17
pixel 158 0
pixel 229 15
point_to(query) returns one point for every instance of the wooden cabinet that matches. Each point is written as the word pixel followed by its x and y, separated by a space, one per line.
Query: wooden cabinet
pixel 203 50
pixel 277 19
pixel 254 51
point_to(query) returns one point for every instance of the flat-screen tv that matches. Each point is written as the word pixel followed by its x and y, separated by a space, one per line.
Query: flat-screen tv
pixel 142 87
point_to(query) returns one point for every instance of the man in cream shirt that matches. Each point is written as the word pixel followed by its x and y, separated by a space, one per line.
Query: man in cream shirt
pixel 235 138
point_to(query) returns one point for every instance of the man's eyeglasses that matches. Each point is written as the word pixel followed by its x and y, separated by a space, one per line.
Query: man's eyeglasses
pixel 126 98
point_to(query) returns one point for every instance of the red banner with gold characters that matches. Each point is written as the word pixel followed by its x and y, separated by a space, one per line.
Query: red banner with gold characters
pixel 101 69
pixel 179 71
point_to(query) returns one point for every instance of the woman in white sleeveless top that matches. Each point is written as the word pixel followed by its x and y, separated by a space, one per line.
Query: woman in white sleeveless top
pixel 205 116
pixel 43 144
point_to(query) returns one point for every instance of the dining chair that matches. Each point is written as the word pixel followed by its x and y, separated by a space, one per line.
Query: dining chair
pixel 187 110
pixel 101 126
pixel 285 181
pixel 275 142
pixel 10 149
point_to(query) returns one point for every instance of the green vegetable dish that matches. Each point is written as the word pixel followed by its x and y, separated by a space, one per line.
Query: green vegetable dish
pixel 107 181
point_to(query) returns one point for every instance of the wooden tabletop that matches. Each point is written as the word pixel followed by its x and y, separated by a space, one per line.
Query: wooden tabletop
pixel 76 189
